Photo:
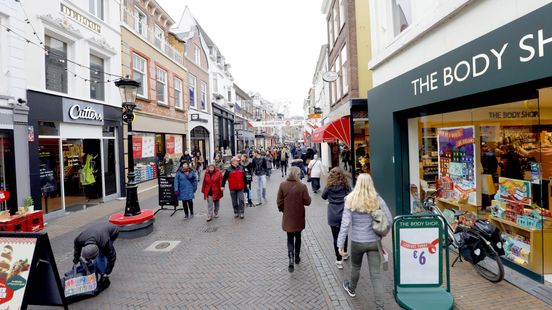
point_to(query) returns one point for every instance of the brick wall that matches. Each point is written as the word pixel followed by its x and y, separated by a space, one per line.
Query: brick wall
pixel 200 72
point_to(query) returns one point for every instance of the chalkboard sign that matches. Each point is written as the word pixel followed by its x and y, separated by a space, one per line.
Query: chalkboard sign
pixel 166 194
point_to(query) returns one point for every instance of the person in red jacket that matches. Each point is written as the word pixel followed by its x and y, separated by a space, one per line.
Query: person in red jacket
pixel 212 190
pixel 235 175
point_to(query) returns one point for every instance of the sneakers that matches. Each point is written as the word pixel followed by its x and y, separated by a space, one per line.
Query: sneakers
pixel 347 288
pixel 339 264
pixel 216 215
pixel 236 215
pixel 346 256
pixel 241 216
pixel 186 217
pixel 209 219
pixel 191 215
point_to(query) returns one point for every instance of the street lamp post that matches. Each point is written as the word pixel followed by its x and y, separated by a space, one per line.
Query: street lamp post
pixel 128 89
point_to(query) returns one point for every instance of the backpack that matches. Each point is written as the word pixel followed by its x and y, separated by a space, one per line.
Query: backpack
pixel 380 224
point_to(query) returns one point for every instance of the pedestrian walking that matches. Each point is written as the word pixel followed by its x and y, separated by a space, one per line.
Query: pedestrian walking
pixel 247 165
pixel 292 198
pixel 260 168
pixel 315 171
pixel 359 205
pixel 185 157
pixel 212 190
pixel 235 175
pixel 298 162
pixel 200 163
pixel 269 160
pixel 284 157
pixel 337 188
pixel 185 186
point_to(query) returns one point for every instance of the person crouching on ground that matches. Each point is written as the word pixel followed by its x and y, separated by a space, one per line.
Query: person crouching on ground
pixel 235 175
pixel 315 171
pixel 185 186
pixel 292 198
pixel 212 190
pixel 96 244
pixel 336 189
pixel 359 205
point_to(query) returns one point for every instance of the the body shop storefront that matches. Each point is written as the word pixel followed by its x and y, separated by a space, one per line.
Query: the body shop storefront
pixel 478 119
pixel 74 158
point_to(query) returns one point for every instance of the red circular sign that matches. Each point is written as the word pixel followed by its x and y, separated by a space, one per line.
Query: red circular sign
pixel 4 195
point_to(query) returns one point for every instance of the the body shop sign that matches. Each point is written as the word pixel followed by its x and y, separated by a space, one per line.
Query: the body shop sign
pixel 75 111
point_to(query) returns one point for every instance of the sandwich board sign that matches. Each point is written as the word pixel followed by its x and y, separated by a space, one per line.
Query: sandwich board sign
pixel 420 253
pixel 28 272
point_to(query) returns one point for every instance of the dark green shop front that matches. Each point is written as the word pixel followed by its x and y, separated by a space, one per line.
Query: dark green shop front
pixel 480 118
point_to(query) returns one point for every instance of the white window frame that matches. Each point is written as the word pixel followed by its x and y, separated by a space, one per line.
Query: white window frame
pixel 344 70
pixel 94 10
pixel 192 83
pixel 203 96
pixel 143 31
pixel 178 102
pixel 338 85
pixel 159 73
pixel 335 16
pixel 342 7
pixel 144 74
pixel 159 34
pixel 330 32
pixel 399 6
pixel 197 55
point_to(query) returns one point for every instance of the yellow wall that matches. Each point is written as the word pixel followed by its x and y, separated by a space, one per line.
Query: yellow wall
pixel 364 46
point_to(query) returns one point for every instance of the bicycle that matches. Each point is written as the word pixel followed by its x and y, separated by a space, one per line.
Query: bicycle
pixel 480 245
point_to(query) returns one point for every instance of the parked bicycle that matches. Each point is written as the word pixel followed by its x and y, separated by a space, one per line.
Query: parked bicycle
pixel 480 244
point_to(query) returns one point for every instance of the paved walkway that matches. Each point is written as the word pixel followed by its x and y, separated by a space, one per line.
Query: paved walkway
pixel 242 264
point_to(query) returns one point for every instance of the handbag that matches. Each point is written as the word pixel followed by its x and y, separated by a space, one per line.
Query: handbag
pixel 380 224
pixel 81 282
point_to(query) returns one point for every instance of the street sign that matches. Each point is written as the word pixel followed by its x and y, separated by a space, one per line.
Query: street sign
pixel 419 244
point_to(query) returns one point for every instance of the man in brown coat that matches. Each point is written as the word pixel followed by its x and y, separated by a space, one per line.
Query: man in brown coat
pixel 293 196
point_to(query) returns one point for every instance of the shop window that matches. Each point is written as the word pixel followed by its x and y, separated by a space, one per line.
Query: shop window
pixel 56 64
pixel 140 74
pixel 203 96
pixel 95 7
pixel 7 170
pixel 192 90
pixel 402 15
pixel 48 128
pixel 162 86
pixel 96 78
pixel 496 163
pixel 361 146
pixel 178 93
pixel 145 159
pixel 108 131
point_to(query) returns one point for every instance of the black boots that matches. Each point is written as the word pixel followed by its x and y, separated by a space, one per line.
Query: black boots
pixel 291 267
pixel 297 258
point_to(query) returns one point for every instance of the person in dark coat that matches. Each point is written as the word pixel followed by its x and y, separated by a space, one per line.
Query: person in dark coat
pixel 185 186
pixel 96 243
pixel 298 162
pixel 292 198
pixel 185 157
pixel 235 175
pixel 248 167
pixel 212 190
pixel 337 188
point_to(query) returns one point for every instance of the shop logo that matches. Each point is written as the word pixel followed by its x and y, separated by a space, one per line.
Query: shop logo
pixel 76 112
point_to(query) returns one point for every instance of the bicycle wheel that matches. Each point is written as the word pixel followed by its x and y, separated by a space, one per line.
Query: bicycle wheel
pixel 491 267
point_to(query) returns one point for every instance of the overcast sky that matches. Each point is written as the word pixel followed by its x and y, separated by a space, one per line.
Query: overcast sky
pixel 272 45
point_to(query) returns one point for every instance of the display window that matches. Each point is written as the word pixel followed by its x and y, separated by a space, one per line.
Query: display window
pixel 145 159
pixel 361 146
pixel 7 170
pixel 494 162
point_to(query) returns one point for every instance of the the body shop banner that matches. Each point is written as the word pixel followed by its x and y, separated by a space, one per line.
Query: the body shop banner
pixel 457 160
pixel 137 146
pixel 148 145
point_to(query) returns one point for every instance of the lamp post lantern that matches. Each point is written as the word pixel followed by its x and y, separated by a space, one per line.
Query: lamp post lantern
pixel 128 89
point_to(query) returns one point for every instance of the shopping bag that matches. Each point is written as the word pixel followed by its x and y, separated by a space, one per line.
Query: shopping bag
pixel 81 282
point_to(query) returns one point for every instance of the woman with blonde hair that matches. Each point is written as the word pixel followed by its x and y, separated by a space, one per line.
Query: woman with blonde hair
pixel 293 196
pixel 336 189
pixel 359 205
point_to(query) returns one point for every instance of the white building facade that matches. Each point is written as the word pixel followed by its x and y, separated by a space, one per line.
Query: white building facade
pixel 74 105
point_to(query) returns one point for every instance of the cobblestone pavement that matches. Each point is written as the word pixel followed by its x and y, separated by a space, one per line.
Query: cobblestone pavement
pixel 242 264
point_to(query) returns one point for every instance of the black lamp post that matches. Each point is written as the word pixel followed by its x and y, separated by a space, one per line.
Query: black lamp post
pixel 128 89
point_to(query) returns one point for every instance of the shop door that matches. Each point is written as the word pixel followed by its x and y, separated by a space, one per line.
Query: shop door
pixel 81 173
pixel 335 154
pixel 50 174
pixel 7 171
pixel 110 166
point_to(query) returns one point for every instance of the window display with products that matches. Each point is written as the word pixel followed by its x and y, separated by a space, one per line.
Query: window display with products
pixel 494 162
pixel 145 161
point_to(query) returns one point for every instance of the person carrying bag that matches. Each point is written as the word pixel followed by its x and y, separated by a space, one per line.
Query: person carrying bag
pixel 362 213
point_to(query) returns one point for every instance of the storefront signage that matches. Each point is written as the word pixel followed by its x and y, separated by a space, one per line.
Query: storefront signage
pixel 4 196
pixel 196 118
pixel 80 18
pixel 75 111
pixel 137 146
pixel 529 46
pixel 286 123
pixel 514 114
pixel 418 244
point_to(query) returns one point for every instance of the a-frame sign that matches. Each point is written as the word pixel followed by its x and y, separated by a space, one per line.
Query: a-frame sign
pixel 28 272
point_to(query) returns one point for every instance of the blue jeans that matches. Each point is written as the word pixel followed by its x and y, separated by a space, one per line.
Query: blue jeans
pixel 261 187
pixel 101 264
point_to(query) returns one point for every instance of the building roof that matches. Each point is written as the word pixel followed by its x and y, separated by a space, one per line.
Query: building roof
pixel 241 93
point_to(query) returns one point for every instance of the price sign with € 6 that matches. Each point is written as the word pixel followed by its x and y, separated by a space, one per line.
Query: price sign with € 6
pixel 419 245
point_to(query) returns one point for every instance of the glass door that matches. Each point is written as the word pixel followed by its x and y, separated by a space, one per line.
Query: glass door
pixel 50 174
pixel 110 166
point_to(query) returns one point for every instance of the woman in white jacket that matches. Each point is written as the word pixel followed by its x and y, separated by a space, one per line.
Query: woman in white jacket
pixel 315 171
